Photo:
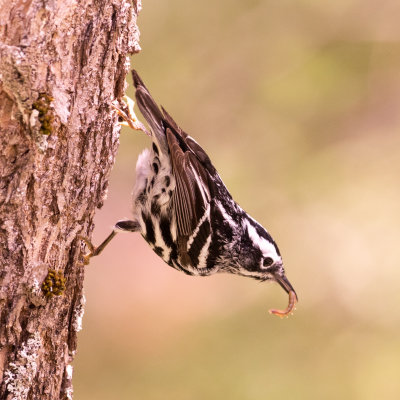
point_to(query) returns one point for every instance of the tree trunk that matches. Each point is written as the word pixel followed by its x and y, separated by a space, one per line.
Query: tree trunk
pixel 62 63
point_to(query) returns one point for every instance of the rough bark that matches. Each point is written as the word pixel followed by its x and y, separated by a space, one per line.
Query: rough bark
pixel 62 63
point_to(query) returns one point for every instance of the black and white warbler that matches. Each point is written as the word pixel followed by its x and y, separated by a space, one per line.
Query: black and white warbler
pixel 184 211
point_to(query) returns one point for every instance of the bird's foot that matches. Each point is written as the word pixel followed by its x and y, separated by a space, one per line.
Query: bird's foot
pixel 124 109
pixel 95 251
pixel 92 250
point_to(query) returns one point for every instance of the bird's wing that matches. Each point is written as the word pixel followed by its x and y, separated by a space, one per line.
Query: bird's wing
pixel 200 161
pixel 195 187
pixel 192 193
pixel 191 168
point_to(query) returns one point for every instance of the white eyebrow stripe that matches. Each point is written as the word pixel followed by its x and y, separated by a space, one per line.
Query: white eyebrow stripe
pixel 267 248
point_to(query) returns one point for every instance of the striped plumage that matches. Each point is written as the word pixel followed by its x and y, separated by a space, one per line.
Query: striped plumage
pixel 186 214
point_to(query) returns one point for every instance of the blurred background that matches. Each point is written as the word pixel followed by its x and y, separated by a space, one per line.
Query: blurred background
pixel 297 104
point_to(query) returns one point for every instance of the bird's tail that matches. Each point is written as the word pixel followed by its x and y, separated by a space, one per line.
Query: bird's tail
pixel 148 107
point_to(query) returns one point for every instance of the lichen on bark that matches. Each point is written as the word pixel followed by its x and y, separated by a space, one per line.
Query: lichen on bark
pixel 62 63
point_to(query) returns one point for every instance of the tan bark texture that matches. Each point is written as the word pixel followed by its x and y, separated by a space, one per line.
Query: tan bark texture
pixel 62 63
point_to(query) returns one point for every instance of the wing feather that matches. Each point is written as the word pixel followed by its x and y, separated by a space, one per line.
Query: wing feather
pixel 183 198
pixel 191 195
pixel 191 167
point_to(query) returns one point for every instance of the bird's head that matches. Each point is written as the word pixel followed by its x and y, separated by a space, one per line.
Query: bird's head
pixel 260 259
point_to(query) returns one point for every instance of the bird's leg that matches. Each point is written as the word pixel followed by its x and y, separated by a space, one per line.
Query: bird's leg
pixel 127 114
pixel 124 225
pixel 95 251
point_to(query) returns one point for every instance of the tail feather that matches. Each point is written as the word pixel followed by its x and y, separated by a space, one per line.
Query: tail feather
pixel 148 107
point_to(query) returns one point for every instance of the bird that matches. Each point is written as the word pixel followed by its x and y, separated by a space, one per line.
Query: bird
pixel 183 209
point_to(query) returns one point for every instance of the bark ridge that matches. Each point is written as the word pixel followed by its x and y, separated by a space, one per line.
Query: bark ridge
pixel 62 63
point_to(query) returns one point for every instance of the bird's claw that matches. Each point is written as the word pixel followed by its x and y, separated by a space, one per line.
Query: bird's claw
pixel 92 250
pixel 124 109
pixel 95 251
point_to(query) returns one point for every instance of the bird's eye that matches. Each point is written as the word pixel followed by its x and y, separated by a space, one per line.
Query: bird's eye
pixel 268 261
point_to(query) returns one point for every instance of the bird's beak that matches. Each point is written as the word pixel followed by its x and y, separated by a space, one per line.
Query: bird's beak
pixel 287 286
